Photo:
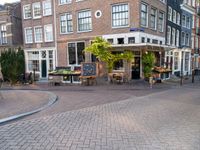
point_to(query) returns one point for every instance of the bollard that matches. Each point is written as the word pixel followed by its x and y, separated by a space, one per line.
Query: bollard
pixel 151 82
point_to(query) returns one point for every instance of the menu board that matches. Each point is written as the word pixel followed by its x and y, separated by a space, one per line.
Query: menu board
pixel 88 69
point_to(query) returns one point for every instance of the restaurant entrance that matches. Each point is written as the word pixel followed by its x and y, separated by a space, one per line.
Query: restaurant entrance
pixel 135 66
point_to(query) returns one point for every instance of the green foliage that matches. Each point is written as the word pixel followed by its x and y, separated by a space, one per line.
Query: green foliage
pixel 148 61
pixel 102 50
pixel 12 64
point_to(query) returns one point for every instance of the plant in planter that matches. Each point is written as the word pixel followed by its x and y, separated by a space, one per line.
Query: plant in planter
pixel 148 61
pixel 102 50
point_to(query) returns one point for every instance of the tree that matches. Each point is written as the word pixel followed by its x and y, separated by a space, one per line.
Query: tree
pixel 102 50
pixel 12 64
pixel 148 61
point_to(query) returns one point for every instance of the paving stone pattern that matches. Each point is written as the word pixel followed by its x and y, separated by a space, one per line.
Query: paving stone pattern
pixel 167 120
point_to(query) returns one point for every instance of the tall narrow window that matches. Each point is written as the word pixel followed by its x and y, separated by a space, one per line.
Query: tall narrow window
pixel 47 10
pixel 153 18
pixel 173 36
pixel 27 11
pixel 3 34
pixel 168 35
pixel 183 38
pixel 169 13
pixel 120 16
pixel 38 34
pixel 144 14
pixel 161 22
pixel 187 39
pixel 85 21
pixel 177 37
pixel 36 10
pixel 183 21
pixel 48 33
pixel 28 35
pixel 174 16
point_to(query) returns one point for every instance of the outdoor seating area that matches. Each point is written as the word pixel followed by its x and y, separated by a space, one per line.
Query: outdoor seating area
pixel 118 77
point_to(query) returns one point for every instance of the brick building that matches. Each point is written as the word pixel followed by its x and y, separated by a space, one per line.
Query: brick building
pixel 39 35
pixel 138 26
pixel 10 26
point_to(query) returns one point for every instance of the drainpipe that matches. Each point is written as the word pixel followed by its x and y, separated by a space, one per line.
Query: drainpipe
pixel 55 32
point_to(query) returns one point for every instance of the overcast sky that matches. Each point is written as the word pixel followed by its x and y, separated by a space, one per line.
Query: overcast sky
pixel 7 1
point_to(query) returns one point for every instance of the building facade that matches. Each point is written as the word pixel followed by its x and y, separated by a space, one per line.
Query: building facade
pixel 138 26
pixel 10 26
pixel 39 36
pixel 186 35
pixel 196 35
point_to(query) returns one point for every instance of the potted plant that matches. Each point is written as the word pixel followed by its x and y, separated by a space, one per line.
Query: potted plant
pixel 148 61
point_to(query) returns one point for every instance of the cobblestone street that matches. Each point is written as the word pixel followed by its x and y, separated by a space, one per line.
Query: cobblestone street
pixel 166 120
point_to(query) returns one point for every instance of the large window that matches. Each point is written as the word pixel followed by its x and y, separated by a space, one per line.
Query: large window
pixel 3 35
pixel 33 61
pixel 48 33
pixel 47 10
pixel 27 11
pixel 161 22
pixel 66 25
pixel 153 18
pixel 36 10
pixel 144 15
pixel 168 35
pixel 120 15
pixel 84 21
pixel 75 53
pixel 28 35
pixel 38 34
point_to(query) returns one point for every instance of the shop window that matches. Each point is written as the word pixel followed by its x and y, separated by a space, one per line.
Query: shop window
pixel 120 40
pixel 131 40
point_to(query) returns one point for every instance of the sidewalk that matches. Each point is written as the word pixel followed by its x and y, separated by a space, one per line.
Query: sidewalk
pixel 19 103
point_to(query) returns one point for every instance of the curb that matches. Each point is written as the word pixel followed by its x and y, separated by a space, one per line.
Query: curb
pixel 53 98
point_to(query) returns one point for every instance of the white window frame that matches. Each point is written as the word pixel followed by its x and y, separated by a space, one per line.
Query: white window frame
pixel 155 23
pixel 35 34
pixel 67 32
pixel 169 34
pixel 33 11
pixel 66 2
pixel 43 6
pixel 45 35
pixel 24 14
pixel 25 35
pixel 120 26
pixel 85 10
pixel 169 13
pixel 147 19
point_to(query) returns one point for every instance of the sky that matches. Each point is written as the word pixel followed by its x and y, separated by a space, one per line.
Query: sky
pixel 7 1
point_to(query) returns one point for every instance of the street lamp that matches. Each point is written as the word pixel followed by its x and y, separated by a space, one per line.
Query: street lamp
pixel 181 81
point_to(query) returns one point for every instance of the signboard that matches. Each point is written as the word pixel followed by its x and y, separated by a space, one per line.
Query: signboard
pixel 136 29
pixel 89 69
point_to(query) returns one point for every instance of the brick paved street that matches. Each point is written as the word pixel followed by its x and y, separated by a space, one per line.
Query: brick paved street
pixel 166 120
